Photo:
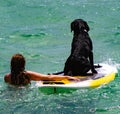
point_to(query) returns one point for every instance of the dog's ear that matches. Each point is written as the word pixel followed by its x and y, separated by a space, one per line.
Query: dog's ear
pixel 83 25
pixel 75 26
pixel 86 27
pixel 72 26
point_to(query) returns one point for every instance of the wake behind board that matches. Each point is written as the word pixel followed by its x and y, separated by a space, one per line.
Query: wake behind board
pixel 106 74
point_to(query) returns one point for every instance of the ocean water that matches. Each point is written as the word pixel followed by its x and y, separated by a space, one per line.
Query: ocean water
pixel 40 30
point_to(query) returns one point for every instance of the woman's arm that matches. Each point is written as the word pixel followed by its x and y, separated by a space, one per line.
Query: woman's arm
pixel 38 76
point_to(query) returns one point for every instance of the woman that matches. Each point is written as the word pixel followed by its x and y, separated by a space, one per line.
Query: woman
pixel 19 76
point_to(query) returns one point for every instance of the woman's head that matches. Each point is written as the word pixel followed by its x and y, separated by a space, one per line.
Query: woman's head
pixel 18 74
pixel 17 63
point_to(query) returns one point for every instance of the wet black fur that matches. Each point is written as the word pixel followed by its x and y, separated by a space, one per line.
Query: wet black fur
pixel 80 60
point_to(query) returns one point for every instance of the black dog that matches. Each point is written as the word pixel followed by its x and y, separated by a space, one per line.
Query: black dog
pixel 80 60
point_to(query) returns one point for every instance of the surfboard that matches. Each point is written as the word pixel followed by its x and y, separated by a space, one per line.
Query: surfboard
pixel 106 73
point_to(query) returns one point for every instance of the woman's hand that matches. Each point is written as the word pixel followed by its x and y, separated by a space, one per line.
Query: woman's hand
pixel 73 78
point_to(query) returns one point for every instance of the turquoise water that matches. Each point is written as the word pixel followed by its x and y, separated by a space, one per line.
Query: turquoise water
pixel 40 30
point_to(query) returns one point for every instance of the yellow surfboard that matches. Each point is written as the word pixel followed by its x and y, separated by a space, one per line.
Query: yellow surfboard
pixel 106 74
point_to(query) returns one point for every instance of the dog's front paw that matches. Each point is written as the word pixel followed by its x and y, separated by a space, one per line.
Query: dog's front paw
pixel 94 71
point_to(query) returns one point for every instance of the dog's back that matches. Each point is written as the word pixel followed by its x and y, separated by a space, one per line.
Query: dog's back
pixel 81 45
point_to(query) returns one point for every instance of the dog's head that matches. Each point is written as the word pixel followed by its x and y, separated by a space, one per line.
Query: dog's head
pixel 79 25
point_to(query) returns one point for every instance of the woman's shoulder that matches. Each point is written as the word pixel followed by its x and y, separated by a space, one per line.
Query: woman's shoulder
pixel 7 78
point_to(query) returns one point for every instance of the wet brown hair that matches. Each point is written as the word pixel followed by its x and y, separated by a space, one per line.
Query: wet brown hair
pixel 18 74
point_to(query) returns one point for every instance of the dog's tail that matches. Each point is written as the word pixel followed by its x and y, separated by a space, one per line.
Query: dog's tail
pixel 97 66
pixel 57 73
